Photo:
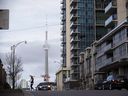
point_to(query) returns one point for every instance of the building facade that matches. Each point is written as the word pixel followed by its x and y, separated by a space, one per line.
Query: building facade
pixel 61 76
pixel 100 18
pixel 109 54
pixel 87 67
pixel 82 23
pixel 63 31
pixel 82 31
pixel 65 44
pixel 112 49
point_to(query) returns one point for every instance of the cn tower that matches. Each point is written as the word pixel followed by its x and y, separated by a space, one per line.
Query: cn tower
pixel 46 75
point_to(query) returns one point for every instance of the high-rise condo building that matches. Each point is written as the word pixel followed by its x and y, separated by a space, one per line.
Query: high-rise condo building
pixel 82 23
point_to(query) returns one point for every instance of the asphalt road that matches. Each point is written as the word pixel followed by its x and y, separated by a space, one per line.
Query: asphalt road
pixel 78 93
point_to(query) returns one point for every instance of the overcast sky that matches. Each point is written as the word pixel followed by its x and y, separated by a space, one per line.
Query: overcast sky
pixel 27 22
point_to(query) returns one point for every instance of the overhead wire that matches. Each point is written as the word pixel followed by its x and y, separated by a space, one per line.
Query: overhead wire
pixel 29 28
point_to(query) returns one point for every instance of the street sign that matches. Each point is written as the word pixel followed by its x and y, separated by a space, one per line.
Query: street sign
pixel 4 19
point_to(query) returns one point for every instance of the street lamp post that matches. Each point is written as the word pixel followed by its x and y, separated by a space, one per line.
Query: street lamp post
pixel 13 48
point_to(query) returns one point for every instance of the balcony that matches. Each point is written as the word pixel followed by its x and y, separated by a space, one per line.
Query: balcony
pixel 74 9
pixel 62 12
pixel 74 48
pixel 63 55
pixel 63 7
pixel 73 17
pixel 74 32
pixel 62 23
pixel 76 39
pixel 74 71
pixel 64 42
pixel 62 1
pixel 111 7
pixel 74 25
pixel 74 64
pixel 63 32
pixel 72 2
pixel 108 47
pixel 63 28
pixel 63 18
pixel 111 21
pixel 108 61
pixel 63 39
pixel 74 56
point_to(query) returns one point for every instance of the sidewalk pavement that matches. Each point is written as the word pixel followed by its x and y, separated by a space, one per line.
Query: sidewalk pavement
pixel 11 93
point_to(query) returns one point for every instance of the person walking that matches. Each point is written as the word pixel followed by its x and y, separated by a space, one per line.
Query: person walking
pixel 31 82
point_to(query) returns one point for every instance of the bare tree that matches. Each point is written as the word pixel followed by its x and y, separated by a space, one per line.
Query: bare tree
pixel 13 68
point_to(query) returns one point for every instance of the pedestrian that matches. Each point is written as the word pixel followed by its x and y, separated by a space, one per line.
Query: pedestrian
pixel 31 82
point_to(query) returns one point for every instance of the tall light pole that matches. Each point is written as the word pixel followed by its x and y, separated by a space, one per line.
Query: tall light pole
pixel 13 48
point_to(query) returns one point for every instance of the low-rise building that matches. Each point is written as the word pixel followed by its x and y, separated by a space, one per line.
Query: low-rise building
pixel 87 67
pixel 2 75
pixel 82 70
pixel 61 77
pixel 112 49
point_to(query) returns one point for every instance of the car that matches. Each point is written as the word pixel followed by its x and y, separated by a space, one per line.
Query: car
pixel 98 85
pixel 43 86
pixel 119 82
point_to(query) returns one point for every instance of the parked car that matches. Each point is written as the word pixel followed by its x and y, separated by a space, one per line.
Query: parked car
pixel 98 85
pixel 43 86
pixel 119 82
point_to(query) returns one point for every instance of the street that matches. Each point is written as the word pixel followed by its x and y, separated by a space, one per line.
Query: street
pixel 68 93
pixel 78 93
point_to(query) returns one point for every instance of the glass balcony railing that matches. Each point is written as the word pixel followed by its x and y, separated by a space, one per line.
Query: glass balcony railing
pixel 74 32
pixel 73 2
pixel 74 9
pixel 110 5
pixel 108 61
pixel 110 19
pixel 74 55
pixel 75 39
pixel 75 47
pixel 74 24
pixel 104 63
pixel 108 47
pixel 73 17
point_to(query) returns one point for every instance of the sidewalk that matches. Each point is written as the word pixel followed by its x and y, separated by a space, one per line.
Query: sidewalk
pixel 11 93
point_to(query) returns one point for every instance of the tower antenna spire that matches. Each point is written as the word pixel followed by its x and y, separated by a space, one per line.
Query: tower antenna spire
pixel 46 28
